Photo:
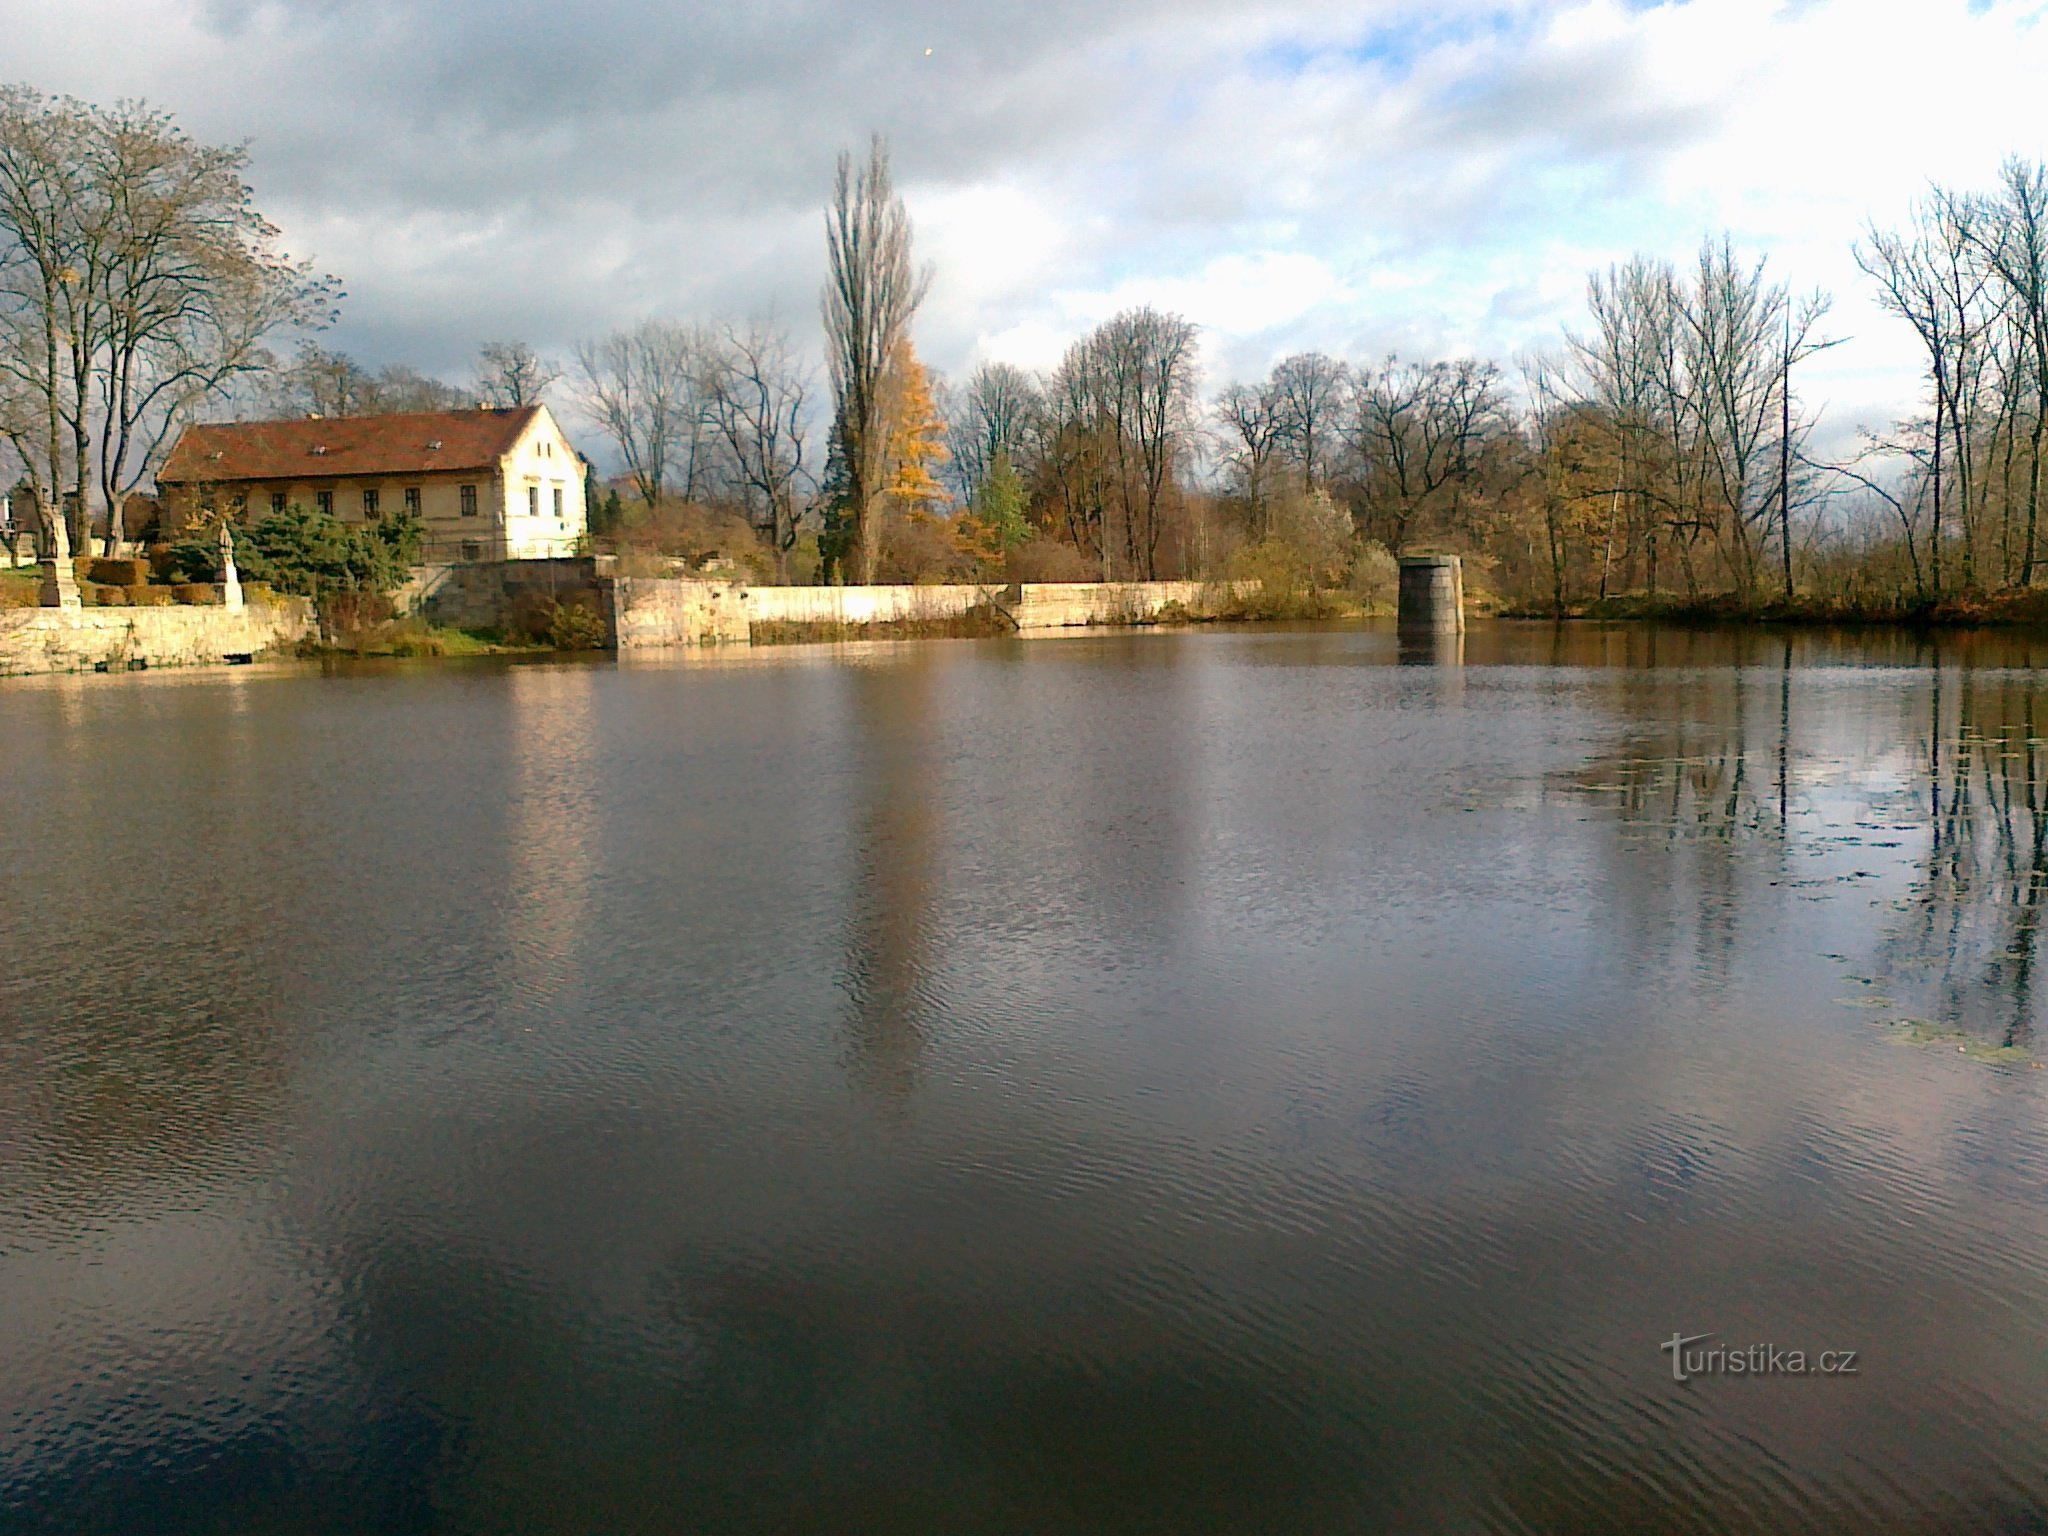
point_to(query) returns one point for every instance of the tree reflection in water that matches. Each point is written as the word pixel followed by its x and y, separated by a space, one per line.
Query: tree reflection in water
pixel 1729 788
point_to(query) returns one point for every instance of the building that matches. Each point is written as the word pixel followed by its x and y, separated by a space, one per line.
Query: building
pixel 490 484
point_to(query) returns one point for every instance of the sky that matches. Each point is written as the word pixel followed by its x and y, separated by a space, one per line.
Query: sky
pixel 1359 177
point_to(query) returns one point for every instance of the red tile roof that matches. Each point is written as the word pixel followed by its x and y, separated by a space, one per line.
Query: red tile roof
pixel 318 447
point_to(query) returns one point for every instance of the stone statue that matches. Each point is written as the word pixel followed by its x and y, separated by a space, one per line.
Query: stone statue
pixel 230 579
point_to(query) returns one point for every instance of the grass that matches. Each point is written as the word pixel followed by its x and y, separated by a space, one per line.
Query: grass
pixel 410 638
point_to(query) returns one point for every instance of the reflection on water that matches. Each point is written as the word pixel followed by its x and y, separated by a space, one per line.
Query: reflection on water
pixel 1226 1081
pixel 887 970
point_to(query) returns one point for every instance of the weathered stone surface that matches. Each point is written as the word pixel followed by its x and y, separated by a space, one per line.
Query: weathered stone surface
pixel 81 639
pixel 1432 593
pixel 650 613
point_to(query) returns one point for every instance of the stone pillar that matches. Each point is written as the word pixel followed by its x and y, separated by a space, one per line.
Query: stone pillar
pixel 1432 597
pixel 60 581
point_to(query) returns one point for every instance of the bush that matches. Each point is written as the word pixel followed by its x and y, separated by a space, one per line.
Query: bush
pixel 577 627
pixel 1281 584
pixel 921 549
pixel 1376 577
pixel 196 593
pixel 99 594
pixel 530 617
pixel 1318 530
pixel 308 554
pixel 150 597
pixel 120 573
pixel 1039 558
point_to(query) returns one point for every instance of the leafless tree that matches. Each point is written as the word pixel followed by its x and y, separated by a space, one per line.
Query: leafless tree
pixel 510 373
pixel 759 397
pixel 1250 426
pixel 1135 380
pixel 643 388
pixel 1924 277
pixel 2013 229
pixel 870 297
pixel 994 412
pixel 1311 397
pixel 137 280
pixel 1742 335
pixel 1419 433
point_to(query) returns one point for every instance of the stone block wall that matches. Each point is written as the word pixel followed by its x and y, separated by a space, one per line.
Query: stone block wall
pixel 649 613
pixel 481 594
pixel 82 639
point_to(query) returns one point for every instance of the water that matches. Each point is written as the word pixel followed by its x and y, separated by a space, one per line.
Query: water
pixel 1225 1081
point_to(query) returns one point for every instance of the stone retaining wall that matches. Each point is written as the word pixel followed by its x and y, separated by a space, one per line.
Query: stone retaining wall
pixel 482 594
pixel 82 639
pixel 648 613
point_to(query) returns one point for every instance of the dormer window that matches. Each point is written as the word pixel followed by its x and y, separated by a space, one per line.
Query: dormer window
pixel 434 446
pixel 319 448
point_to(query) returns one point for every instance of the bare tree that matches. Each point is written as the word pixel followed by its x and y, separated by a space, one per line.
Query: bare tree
pixel 137 280
pixel 870 296
pixel 642 386
pixel 510 373
pixel 1311 395
pixel 1737 365
pixel 1922 277
pixel 1419 433
pixel 759 396
pixel 1249 419
pixel 994 412
pixel 2013 229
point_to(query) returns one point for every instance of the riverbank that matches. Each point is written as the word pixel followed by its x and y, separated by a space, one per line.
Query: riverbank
pixel 1978 610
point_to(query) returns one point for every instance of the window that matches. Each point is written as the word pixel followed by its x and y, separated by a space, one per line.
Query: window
pixel 533 501
pixel 558 503
pixel 277 501
pixel 472 551
pixel 412 501
pixel 469 501
pixel 372 509
pixel 324 500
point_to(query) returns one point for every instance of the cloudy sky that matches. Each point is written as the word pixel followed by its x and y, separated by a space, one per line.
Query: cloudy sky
pixel 1359 176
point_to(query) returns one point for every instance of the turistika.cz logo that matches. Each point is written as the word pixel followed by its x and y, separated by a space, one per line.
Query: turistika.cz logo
pixel 1688 1361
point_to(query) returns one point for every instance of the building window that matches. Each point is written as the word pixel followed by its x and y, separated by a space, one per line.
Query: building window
pixel 277 501
pixel 558 503
pixel 472 551
pixel 469 501
pixel 372 510
pixel 324 500
pixel 412 501
pixel 533 501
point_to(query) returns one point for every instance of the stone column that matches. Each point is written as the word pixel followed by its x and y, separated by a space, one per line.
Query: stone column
pixel 60 581
pixel 1432 597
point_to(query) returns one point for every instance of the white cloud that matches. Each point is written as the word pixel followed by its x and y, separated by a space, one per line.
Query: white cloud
pixel 1355 176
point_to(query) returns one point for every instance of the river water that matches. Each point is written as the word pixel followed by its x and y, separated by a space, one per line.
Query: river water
pixel 1228 1081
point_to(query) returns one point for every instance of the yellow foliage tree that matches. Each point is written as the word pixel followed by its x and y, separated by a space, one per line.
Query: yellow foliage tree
pixel 917 437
